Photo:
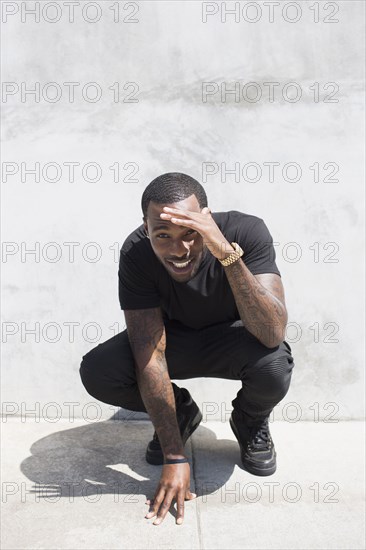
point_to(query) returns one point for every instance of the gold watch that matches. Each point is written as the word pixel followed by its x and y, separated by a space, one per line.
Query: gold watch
pixel 234 257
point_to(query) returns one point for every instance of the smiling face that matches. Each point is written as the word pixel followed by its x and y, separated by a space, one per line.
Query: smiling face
pixel 174 245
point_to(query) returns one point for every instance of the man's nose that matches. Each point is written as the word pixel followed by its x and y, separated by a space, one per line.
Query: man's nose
pixel 182 248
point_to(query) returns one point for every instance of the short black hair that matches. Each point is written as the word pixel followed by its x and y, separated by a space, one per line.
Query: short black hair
pixel 172 187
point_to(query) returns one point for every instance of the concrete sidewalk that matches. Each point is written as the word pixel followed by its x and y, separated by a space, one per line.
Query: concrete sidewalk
pixel 84 485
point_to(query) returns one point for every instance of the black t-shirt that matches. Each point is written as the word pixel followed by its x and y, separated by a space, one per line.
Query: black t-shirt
pixel 207 298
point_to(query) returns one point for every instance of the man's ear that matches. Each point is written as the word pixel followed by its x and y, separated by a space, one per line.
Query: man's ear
pixel 145 228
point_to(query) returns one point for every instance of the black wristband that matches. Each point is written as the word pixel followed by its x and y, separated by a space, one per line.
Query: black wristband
pixel 175 460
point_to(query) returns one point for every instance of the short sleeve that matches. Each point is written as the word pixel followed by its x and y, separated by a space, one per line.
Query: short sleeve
pixel 259 253
pixel 136 288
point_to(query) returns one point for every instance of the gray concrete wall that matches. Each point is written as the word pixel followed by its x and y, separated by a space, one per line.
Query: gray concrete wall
pixel 168 53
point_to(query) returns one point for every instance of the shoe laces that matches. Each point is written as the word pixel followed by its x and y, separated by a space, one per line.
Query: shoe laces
pixel 260 438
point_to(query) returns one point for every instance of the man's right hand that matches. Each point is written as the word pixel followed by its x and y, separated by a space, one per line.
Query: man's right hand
pixel 147 337
pixel 174 484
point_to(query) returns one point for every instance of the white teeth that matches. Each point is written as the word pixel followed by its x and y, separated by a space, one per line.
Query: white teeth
pixel 181 264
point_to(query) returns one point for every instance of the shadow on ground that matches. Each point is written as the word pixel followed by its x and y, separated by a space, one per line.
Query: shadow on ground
pixel 109 458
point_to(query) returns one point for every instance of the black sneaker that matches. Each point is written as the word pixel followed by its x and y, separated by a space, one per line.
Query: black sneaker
pixel 258 454
pixel 188 416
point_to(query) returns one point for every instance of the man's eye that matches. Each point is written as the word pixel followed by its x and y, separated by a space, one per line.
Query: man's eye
pixel 164 235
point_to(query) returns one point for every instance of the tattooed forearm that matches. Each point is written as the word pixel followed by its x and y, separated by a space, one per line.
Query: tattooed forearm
pixel 158 396
pixel 262 313
pixel 146 334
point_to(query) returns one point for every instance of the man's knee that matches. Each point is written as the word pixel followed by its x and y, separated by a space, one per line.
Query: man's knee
pixel 89 371
pixel 272 379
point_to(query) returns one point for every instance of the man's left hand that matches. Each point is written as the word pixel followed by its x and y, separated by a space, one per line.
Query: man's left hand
pixel 204 224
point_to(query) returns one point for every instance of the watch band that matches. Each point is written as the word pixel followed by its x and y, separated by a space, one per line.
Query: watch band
pixel 234 257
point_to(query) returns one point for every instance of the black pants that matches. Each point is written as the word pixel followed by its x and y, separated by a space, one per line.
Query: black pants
pixel 226 350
